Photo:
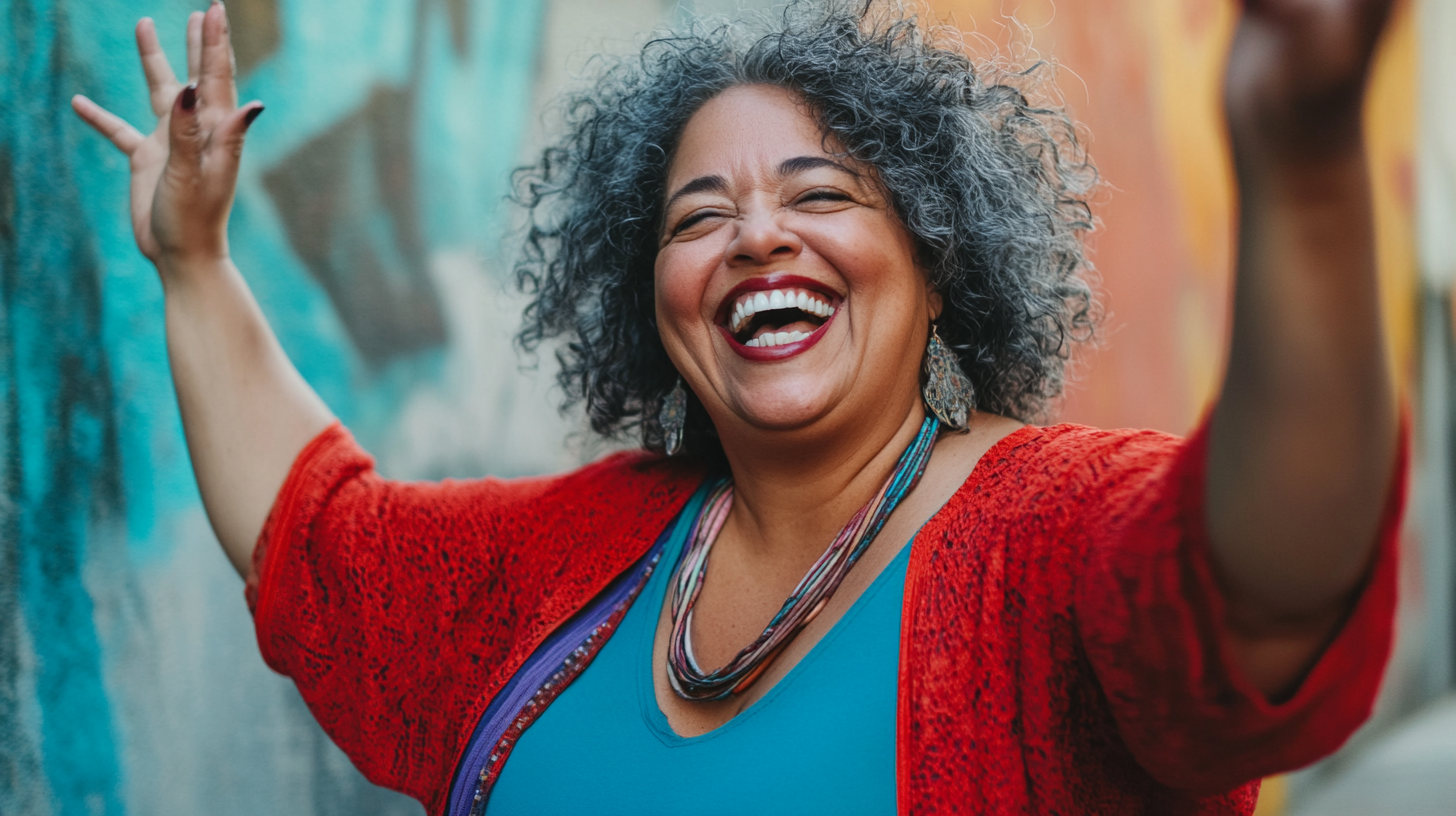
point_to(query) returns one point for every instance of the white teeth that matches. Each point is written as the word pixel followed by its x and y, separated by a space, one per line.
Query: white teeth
pixel 757 302
pixel 776 339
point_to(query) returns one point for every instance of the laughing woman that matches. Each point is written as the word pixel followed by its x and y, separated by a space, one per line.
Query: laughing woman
pixel 829 273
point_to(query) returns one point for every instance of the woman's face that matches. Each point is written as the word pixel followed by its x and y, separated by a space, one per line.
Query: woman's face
pixel 787 292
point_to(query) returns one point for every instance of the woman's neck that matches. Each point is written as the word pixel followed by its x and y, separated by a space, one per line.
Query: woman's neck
pixel 793 496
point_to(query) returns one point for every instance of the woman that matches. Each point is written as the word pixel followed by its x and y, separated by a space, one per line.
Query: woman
pixel 799 264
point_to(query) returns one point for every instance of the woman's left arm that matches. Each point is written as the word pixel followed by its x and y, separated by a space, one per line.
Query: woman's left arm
pixel 1302 444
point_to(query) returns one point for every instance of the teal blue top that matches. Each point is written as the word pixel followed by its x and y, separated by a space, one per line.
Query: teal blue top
pixel 821 741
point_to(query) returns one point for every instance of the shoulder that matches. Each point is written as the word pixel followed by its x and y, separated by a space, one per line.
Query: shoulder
pixel 614 503
pixel 1054 473
pixel 1068 440
pixel 1076 454
pixel 615 481
pixel 624 476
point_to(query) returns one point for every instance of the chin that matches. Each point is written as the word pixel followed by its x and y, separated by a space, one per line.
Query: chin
pixel 784 408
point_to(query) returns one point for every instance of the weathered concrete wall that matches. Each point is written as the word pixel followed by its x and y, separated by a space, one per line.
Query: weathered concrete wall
pixel 368 223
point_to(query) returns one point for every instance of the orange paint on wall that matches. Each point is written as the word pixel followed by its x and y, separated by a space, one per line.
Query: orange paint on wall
pixel 1145 77
pixel 1390 128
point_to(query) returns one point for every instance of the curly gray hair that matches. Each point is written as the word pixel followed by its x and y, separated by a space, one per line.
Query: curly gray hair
pixel 992 188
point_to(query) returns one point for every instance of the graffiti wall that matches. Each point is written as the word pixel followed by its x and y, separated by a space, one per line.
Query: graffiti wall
pixel 368 222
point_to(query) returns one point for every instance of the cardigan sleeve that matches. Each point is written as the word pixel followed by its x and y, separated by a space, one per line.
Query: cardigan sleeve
pixel 398 608
pixel 357 585
pixel 1150 616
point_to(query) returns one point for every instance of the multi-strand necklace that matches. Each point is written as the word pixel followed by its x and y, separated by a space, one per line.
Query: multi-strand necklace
pixel 808 598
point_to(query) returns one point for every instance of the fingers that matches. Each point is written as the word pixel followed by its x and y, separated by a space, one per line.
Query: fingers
pixel 194 45
pixel 215 74
pixel 161 82
pixel 228 137
pixel 1375 15
pixel 184 131
pixel 191 138
pixel 1341 33
pixel 126 138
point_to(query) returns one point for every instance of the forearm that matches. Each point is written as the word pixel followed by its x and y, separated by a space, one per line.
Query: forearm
pixel 1302 443
pixel 245 409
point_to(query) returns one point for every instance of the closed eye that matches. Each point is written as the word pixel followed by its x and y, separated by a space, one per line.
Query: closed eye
pixel 824 195
pixel 692 220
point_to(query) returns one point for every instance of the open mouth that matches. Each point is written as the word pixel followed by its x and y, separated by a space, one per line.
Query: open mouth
pixel 777 317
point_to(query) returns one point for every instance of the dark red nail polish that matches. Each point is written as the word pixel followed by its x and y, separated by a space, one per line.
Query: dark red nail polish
pixel 189 97
pixel 251 115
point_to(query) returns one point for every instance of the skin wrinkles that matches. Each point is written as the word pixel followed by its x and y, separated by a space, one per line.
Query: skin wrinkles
pixel 789 167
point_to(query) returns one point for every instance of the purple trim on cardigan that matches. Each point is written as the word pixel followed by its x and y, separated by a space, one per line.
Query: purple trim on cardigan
pixel 546 673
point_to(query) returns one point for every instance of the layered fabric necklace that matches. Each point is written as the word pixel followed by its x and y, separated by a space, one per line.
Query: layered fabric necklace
pixel 808 598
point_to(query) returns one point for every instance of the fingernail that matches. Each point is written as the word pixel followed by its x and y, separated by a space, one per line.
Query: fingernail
pixel 189 97
pixel 251 115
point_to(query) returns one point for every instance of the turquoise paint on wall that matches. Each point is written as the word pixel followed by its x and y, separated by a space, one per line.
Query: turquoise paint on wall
pixel 391 127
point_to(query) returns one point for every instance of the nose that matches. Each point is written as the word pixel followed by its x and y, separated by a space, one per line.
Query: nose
pixel 762 240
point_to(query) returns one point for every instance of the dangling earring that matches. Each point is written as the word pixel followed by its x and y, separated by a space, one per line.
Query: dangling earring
pixel 672 418
pixel 948 393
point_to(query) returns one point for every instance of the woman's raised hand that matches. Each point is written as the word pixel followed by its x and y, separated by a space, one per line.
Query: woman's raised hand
pixel 246 411
pixel 1297 74
pixel 184 173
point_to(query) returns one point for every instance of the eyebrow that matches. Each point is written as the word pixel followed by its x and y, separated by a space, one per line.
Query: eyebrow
pixel 701 184
pixel 788 167
pixel 799 164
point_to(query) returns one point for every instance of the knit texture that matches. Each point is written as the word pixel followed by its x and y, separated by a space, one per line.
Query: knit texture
pixel 1061 650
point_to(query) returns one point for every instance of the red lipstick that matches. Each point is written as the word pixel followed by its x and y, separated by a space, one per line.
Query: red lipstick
pixel 763 354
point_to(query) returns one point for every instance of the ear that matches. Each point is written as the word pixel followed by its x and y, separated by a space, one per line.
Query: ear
pixel 934 302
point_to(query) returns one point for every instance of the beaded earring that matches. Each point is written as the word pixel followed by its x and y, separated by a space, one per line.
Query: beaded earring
pixel 673 417
pixel 947 392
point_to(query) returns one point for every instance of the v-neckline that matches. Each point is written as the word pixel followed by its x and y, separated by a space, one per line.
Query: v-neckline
pixel 980 470
pixel 653 715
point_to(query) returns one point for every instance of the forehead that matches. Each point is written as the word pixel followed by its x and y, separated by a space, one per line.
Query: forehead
pixel 746 129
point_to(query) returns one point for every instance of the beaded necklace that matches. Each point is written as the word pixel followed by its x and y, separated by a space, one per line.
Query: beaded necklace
pixel 808 598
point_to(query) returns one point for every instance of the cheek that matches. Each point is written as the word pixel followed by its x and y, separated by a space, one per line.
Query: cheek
pixel 875 256
pixel 679 285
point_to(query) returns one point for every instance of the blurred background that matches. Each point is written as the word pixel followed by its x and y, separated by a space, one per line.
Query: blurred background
pixel 370 223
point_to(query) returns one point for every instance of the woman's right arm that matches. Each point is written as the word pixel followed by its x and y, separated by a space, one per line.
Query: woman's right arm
pixel 245 409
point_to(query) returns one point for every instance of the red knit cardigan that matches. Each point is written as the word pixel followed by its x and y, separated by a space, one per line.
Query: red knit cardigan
pixel 1061 650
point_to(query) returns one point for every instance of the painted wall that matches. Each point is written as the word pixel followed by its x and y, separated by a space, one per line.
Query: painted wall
pixel 1144 76
pixel 368 224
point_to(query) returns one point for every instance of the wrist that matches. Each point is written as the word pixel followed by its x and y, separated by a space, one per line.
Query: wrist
pixel 180 269
pixel 1282 129
pixel 1315 179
